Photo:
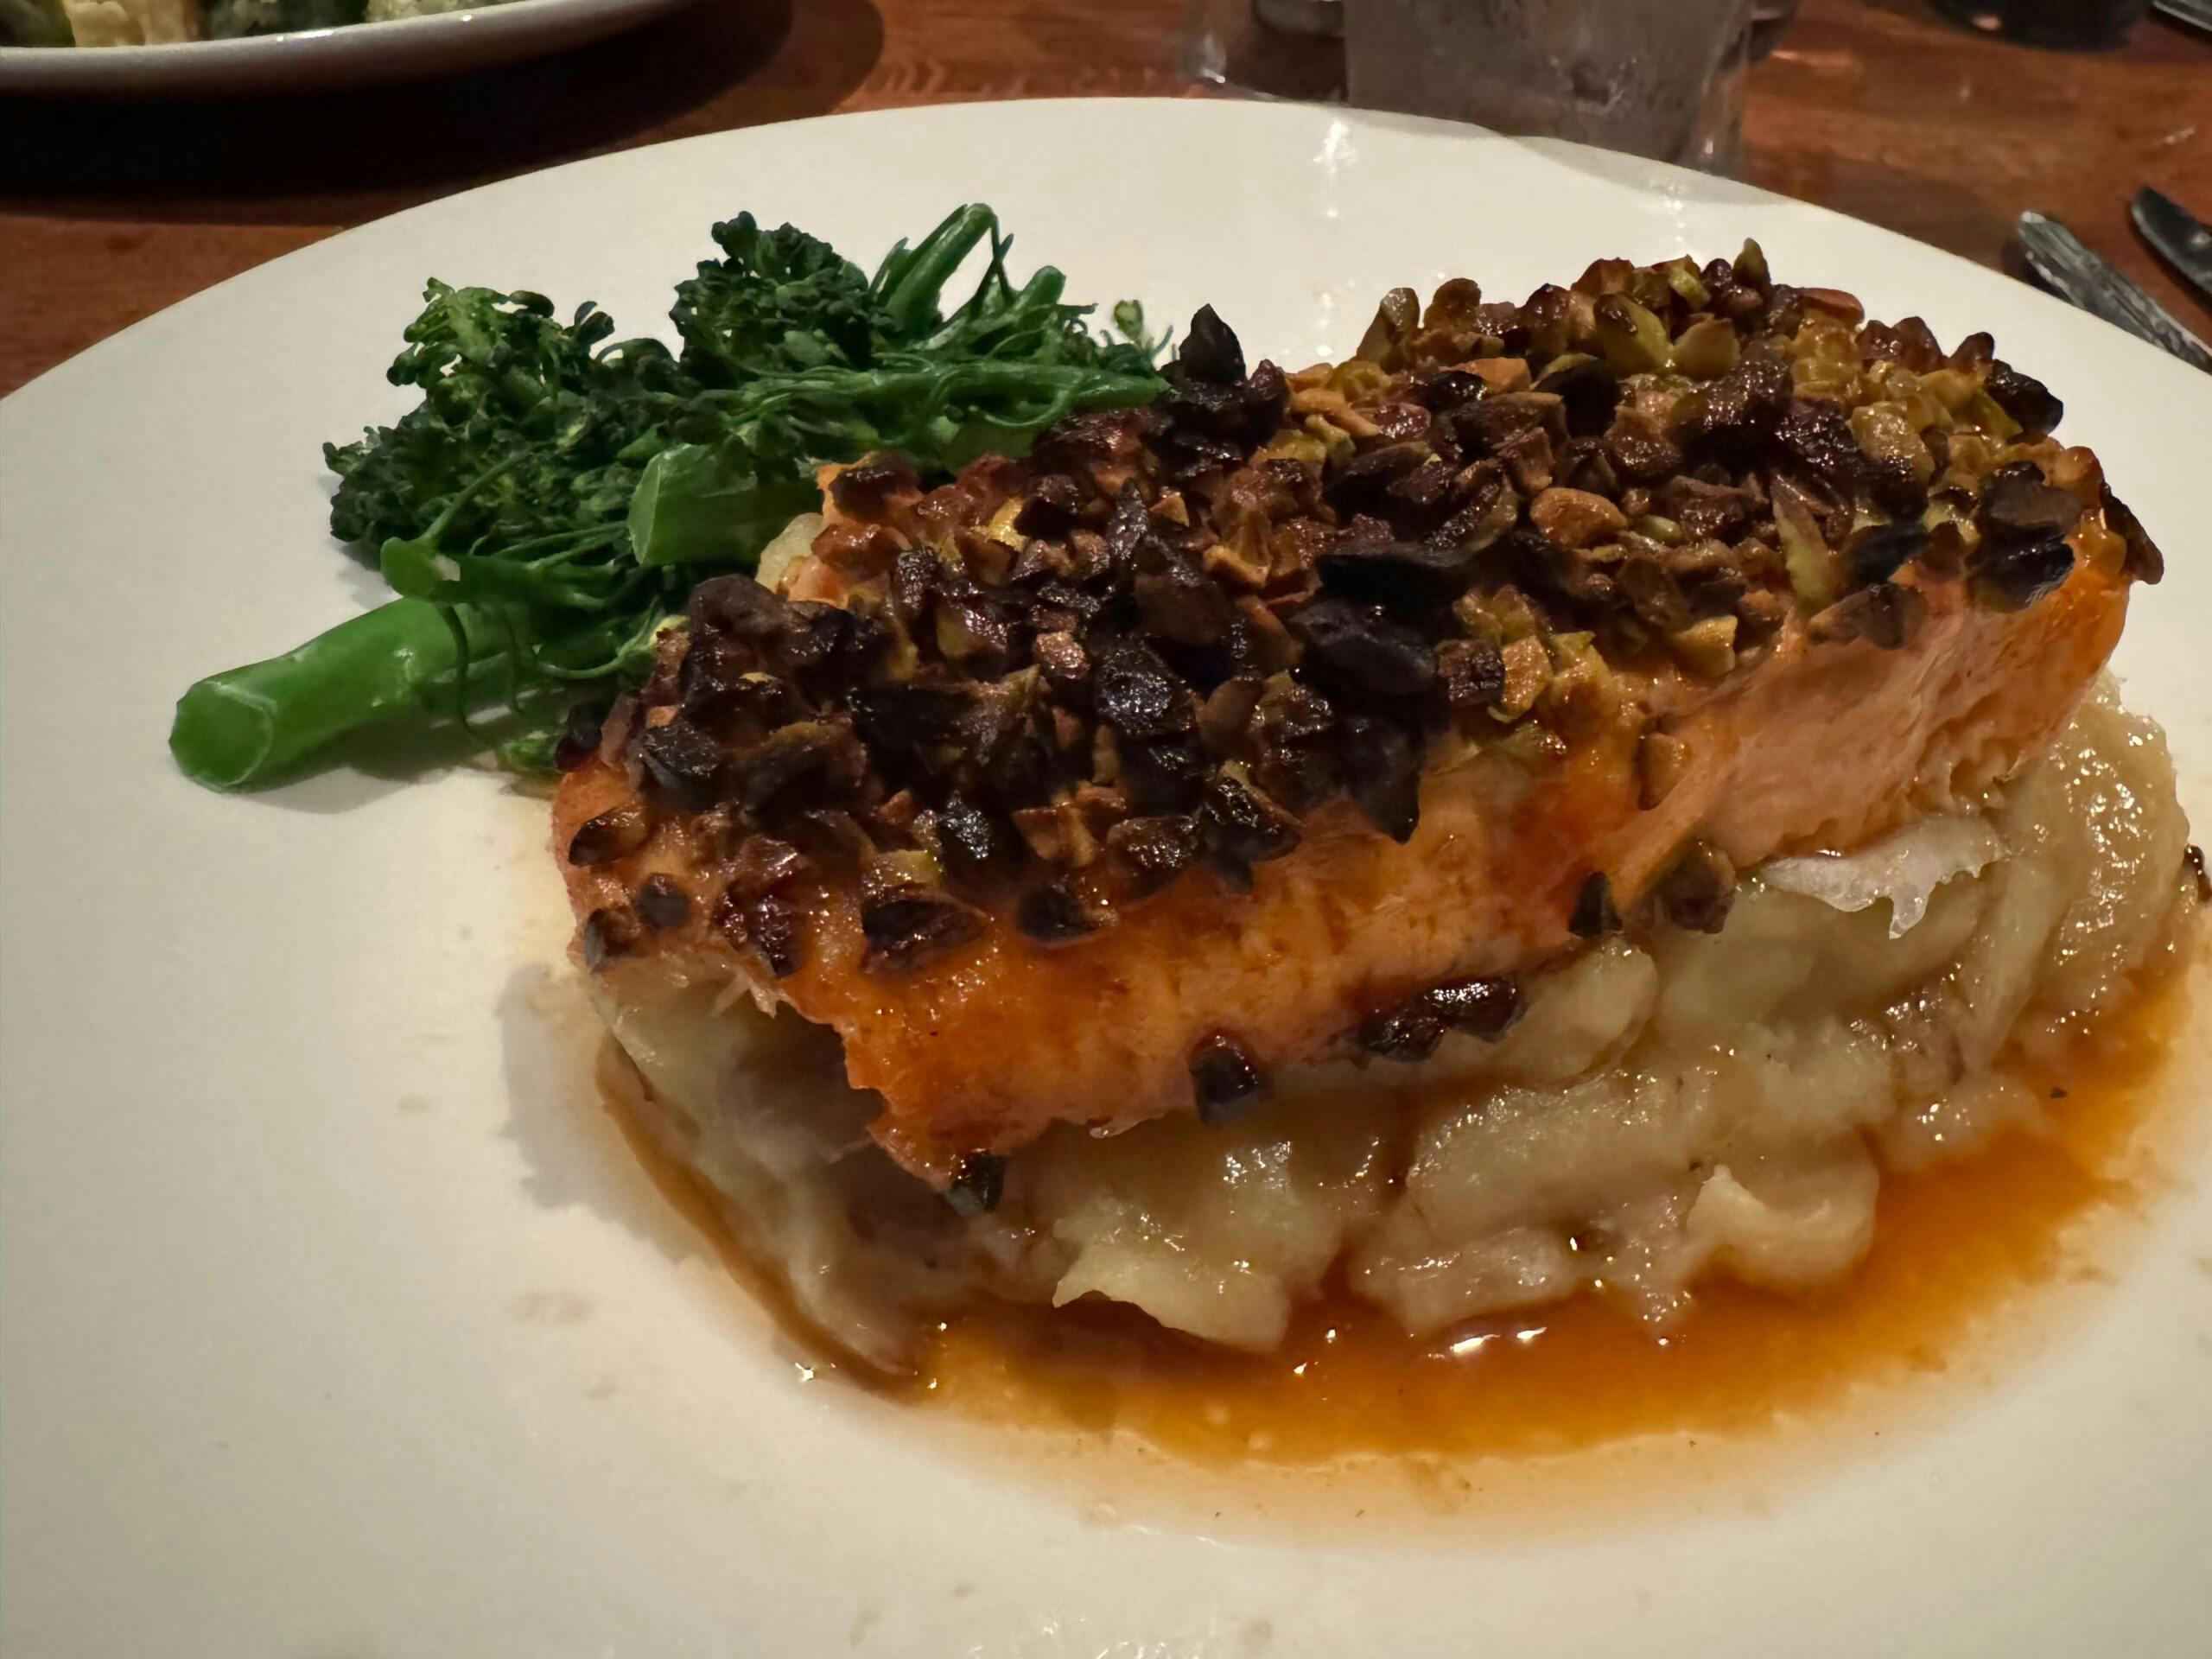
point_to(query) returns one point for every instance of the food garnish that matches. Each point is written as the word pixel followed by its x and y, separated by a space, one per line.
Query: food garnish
pixel 547 507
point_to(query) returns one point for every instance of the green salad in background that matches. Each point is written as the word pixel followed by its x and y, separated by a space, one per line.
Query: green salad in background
pixel 546 508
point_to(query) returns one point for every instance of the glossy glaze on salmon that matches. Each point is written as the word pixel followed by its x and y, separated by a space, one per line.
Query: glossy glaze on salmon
pixel 1307 710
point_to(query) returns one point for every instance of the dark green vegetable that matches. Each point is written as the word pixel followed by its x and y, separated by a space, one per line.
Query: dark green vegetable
pixel 777 301
pixel 33 22
pixel 545 508
pixel 542 426
pixel 258 721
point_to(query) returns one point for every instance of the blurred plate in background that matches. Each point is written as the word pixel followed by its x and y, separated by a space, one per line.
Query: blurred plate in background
pixel 400 48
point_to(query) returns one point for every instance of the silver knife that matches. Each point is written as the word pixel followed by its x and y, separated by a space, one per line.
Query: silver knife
pixel 2084 278
pixel 2177 233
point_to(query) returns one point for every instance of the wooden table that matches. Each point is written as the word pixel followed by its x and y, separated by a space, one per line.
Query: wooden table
pixel 1875 107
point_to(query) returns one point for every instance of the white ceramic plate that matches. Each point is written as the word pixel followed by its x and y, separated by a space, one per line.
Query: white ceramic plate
pixel 402 49
pixel 334 1322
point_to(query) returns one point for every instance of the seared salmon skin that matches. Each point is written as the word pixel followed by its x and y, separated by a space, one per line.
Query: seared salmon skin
pixel 1305 712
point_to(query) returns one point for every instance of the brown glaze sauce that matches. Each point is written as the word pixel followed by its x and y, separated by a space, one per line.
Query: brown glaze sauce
pixel 1953 1248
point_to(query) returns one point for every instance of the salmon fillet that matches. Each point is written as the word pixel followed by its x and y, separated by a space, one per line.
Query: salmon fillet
pixel 1328 690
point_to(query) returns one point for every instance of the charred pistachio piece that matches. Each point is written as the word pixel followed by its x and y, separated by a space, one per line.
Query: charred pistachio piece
pixel 1178 602
pixel 1291 714
pixel 863 488
pixel 1818 437
pixel 1052 914
pixel 615 833
pixel 1879 552
pixel 2192 864
pixel 1381 770
pixel 1588 388
pixel 1395 319
pixel 1594 915
pixel 808 762
pixel 684 763
pixel 1409 1035
pixel 1229 1084
pixel 580 738
pixel 768 924
pixel 1699 892
pixel 1362 482
pixel 1149 853
pixel 1886 615
pixel 2024 398
pixel 774 928
pixel 661 903
pixel 2010 575
pixel 978 1183
pixel 907 718
pixel 739 606
pixel 908 917
pixel 1062 658
pixel 2018 505
pixel 1473 673
pixel 1485 1007
pixel 1362 647
pixel 1239 826
pixel 2143 563
pixel 1162 777
pixel 609 931
pixel 1140 696
pixel 1655 594
pixel 1210 351
pixel 970 841
pixel 1409 577
pixel 763 864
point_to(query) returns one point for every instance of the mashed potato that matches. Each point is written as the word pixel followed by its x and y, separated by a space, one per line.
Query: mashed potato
pixel 1674 1103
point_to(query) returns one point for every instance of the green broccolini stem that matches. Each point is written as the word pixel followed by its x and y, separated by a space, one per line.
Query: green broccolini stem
pixel 256 725
pixel 247 725
pixel 912 279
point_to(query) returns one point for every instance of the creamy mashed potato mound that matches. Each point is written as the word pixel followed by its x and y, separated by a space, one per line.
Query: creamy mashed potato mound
pixel 1673 1104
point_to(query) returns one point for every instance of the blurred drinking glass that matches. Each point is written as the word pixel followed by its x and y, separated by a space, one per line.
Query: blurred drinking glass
pixel 1657 78
pixel 1274 48
pixel 1768 19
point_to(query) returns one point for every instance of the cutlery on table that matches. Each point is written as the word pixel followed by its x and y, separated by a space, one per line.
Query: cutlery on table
pixel 2180 237
pixel 2079 274
pixel 2196 12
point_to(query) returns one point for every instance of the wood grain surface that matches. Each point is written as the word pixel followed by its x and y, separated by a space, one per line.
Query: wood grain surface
pixel 109 212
